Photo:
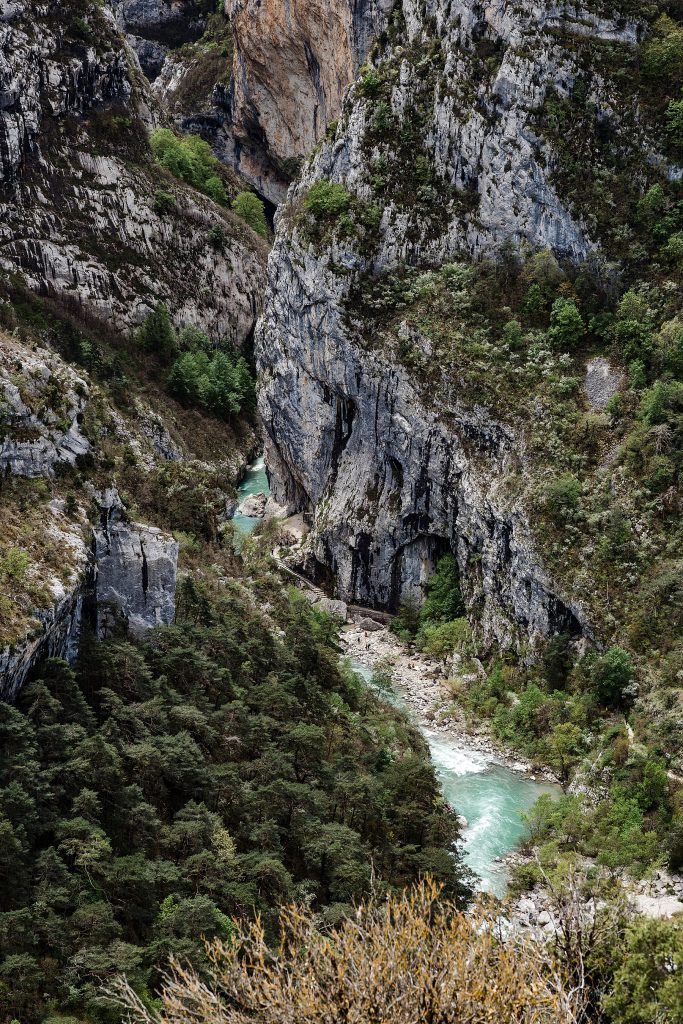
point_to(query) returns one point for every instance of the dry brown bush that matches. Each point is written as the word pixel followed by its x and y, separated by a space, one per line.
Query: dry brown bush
pixel 410 960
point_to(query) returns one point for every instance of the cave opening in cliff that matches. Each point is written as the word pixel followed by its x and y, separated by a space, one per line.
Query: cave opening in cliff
pixel 413 565
pixel 270 208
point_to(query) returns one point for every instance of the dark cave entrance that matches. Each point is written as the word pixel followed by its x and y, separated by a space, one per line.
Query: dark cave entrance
pixel 425 547
pixel 271 208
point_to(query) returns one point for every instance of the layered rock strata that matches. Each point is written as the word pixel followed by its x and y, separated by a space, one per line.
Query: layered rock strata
pixel 81 216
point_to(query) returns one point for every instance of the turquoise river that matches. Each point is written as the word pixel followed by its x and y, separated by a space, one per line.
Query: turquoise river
pixel 491 796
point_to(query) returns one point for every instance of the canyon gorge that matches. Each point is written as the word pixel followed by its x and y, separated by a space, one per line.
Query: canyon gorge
pixel 413 267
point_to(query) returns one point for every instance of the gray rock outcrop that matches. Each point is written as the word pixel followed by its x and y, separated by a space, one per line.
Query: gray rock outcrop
pixel 56 625
pixel 254 507
pixel 79 210
pixel 129 568
pixel 42 402
pixel 394 480
pixel 601 383
pixel 155 26
pixel 337 609
pixel 136 569
pixel 130 571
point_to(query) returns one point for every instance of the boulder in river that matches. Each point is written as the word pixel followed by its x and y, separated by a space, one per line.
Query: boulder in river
pixel 254 507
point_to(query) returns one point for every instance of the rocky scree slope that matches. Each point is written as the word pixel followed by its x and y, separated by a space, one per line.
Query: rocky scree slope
pixel 437 160
pixel 80 213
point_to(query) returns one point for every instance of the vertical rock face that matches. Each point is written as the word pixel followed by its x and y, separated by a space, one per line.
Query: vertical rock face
pixel 136 568
pixel 46 73
pixel 134 572
pixel 293 63
pixel 394 479
pixel 56 627
pixel 51 560
pixel 392 487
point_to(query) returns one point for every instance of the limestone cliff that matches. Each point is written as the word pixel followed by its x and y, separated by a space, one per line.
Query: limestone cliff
pixel 48 607
pixel 67 543
pixel 156 26
pixel 393 485
pixel 293 63
pixel 135 574
pixel 264 82
pixel 80 214
pixel 402 447
pixel 41 407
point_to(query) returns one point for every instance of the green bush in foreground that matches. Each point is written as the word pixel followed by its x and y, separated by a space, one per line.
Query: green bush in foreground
pixel 648 987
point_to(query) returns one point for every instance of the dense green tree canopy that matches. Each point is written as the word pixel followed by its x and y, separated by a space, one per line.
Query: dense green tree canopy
pixel 213 769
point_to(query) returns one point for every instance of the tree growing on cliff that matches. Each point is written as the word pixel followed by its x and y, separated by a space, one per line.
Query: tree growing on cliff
pixel 252 210
pixel 327 199
pixel 613 675
pixel 156 335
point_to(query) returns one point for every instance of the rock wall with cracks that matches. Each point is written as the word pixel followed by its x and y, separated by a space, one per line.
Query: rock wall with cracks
pixel 135 571
pixel 392 483
pixel 117 569
pixel 79 211
pixel 155 26
pixel 57 626
pixel 393 488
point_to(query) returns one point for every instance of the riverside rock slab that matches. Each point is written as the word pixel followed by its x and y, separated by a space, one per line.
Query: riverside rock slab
pixel 254 507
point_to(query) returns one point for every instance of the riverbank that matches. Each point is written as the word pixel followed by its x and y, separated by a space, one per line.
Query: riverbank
pixel 488 785
pixel 423 685
pixel 488 789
